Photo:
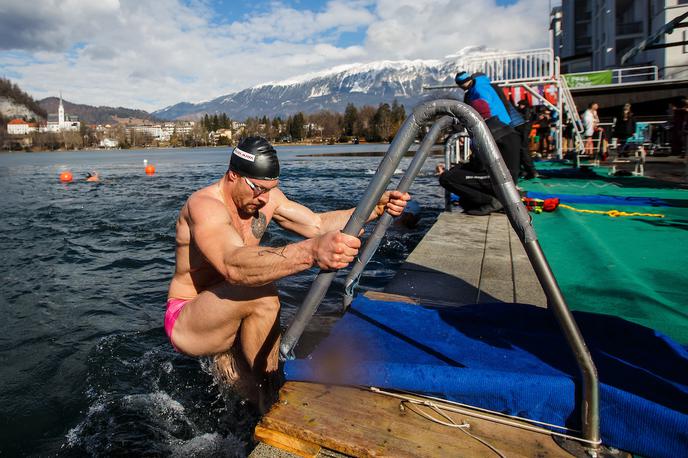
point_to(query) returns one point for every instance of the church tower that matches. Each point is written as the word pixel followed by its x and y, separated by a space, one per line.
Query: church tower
pixel 61 113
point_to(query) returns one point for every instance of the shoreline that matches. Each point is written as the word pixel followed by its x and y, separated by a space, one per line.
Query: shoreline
pixel 186 147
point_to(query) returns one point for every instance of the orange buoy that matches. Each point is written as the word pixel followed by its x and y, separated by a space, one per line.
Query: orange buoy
pixel 150 170
pixel 66 176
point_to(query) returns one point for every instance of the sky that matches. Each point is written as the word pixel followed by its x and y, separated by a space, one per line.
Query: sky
pixel 151 54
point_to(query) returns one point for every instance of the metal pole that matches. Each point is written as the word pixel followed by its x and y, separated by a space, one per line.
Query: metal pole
pixel 590 409
pixel 373 242
pixel 450 152
pixel 560 123
pixel 447 166
pixel 510 198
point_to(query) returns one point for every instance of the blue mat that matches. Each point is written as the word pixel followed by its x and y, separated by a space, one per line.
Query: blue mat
pixel 512 359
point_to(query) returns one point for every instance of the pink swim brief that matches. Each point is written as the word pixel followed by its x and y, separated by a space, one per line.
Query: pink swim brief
pixel 174 308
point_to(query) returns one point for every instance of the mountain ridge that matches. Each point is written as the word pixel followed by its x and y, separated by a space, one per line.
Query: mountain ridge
pixel 332 89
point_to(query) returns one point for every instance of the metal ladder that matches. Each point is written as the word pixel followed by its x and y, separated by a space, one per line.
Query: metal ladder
pixel 448 112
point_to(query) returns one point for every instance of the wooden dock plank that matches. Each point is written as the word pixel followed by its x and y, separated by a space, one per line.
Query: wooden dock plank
pixel 496 275
pixel 286 442
pixel 527 288
pixel 467 259
pixel 446 264
pixel 359 422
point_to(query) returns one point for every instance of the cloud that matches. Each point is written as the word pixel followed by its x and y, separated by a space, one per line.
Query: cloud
pixel 420 28
pixel 152 54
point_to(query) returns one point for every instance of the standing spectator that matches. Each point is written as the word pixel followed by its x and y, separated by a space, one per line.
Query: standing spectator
pixel 590 123
pixel 543 132
pixel 527 166
pixel 553 130
pixel 679 128
pixel 567 135
pixel 624 128
pixel 470 181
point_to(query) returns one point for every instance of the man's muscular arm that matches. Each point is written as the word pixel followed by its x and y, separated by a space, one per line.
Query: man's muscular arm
pixel 221 244
pixel 300 219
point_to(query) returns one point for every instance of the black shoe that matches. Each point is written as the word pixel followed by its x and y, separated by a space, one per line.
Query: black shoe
pixel 486 209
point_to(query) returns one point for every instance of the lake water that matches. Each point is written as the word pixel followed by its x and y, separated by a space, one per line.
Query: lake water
pixel 86 368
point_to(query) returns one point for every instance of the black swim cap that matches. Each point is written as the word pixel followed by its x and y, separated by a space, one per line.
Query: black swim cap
pixel 255 158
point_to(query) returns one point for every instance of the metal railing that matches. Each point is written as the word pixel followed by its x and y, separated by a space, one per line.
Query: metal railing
pixel 630 74
pixel 456 152
pixel 508 195
pixel 529 65
pixel 635 74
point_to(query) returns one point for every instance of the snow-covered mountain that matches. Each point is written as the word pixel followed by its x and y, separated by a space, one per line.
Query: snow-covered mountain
pixel 360 84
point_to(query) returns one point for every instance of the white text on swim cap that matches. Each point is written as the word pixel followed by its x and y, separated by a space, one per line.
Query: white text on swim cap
pixel 244 155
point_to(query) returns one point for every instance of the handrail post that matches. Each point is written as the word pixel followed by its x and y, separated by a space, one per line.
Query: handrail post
pixel 373 242
pixel 447 166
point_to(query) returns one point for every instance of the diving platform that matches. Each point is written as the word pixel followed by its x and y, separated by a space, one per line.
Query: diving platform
pixel 461 260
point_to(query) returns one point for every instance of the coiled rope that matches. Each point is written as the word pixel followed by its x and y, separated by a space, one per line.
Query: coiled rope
pixel 612 213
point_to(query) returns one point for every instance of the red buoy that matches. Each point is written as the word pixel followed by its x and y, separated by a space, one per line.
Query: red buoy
pixel 150 170
pixel 66 176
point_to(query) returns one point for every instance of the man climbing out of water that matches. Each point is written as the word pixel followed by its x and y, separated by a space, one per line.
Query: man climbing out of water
pixel 222 299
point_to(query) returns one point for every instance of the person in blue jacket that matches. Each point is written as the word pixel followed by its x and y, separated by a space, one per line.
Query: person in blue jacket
pixel 470 181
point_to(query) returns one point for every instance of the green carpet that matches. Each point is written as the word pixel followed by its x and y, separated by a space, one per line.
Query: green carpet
pixel 632 267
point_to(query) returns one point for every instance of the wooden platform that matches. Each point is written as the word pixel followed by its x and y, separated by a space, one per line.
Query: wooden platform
pixel 312 419
pixel 461 260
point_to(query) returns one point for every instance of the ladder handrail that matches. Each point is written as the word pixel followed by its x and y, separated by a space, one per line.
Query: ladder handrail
pixel 508 195
pixel 373 242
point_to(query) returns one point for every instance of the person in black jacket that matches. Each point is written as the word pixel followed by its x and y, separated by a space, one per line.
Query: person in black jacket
pixel 527 167
pixel 470 181
pixel 624 128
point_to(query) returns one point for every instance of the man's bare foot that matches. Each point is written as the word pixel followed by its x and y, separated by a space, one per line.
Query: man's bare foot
pixel 231 370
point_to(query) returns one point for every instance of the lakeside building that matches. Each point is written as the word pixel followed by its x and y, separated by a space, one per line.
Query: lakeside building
pixel 164 131
pixel 108 143
pixel 20 127
pixel 62 122
pixel 591 35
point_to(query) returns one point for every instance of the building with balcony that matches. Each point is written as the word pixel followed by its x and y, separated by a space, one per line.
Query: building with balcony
pixel 590 35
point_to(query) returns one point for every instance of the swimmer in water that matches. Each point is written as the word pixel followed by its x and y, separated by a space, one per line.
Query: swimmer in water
pixel 410 216
pixel 92 176
pixel 222 299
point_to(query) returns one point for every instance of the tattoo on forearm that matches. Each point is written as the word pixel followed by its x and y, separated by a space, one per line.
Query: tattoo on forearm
pixel 278 251
pixel 258 225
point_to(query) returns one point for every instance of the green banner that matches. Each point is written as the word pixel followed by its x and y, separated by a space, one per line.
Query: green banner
pixel 589 79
